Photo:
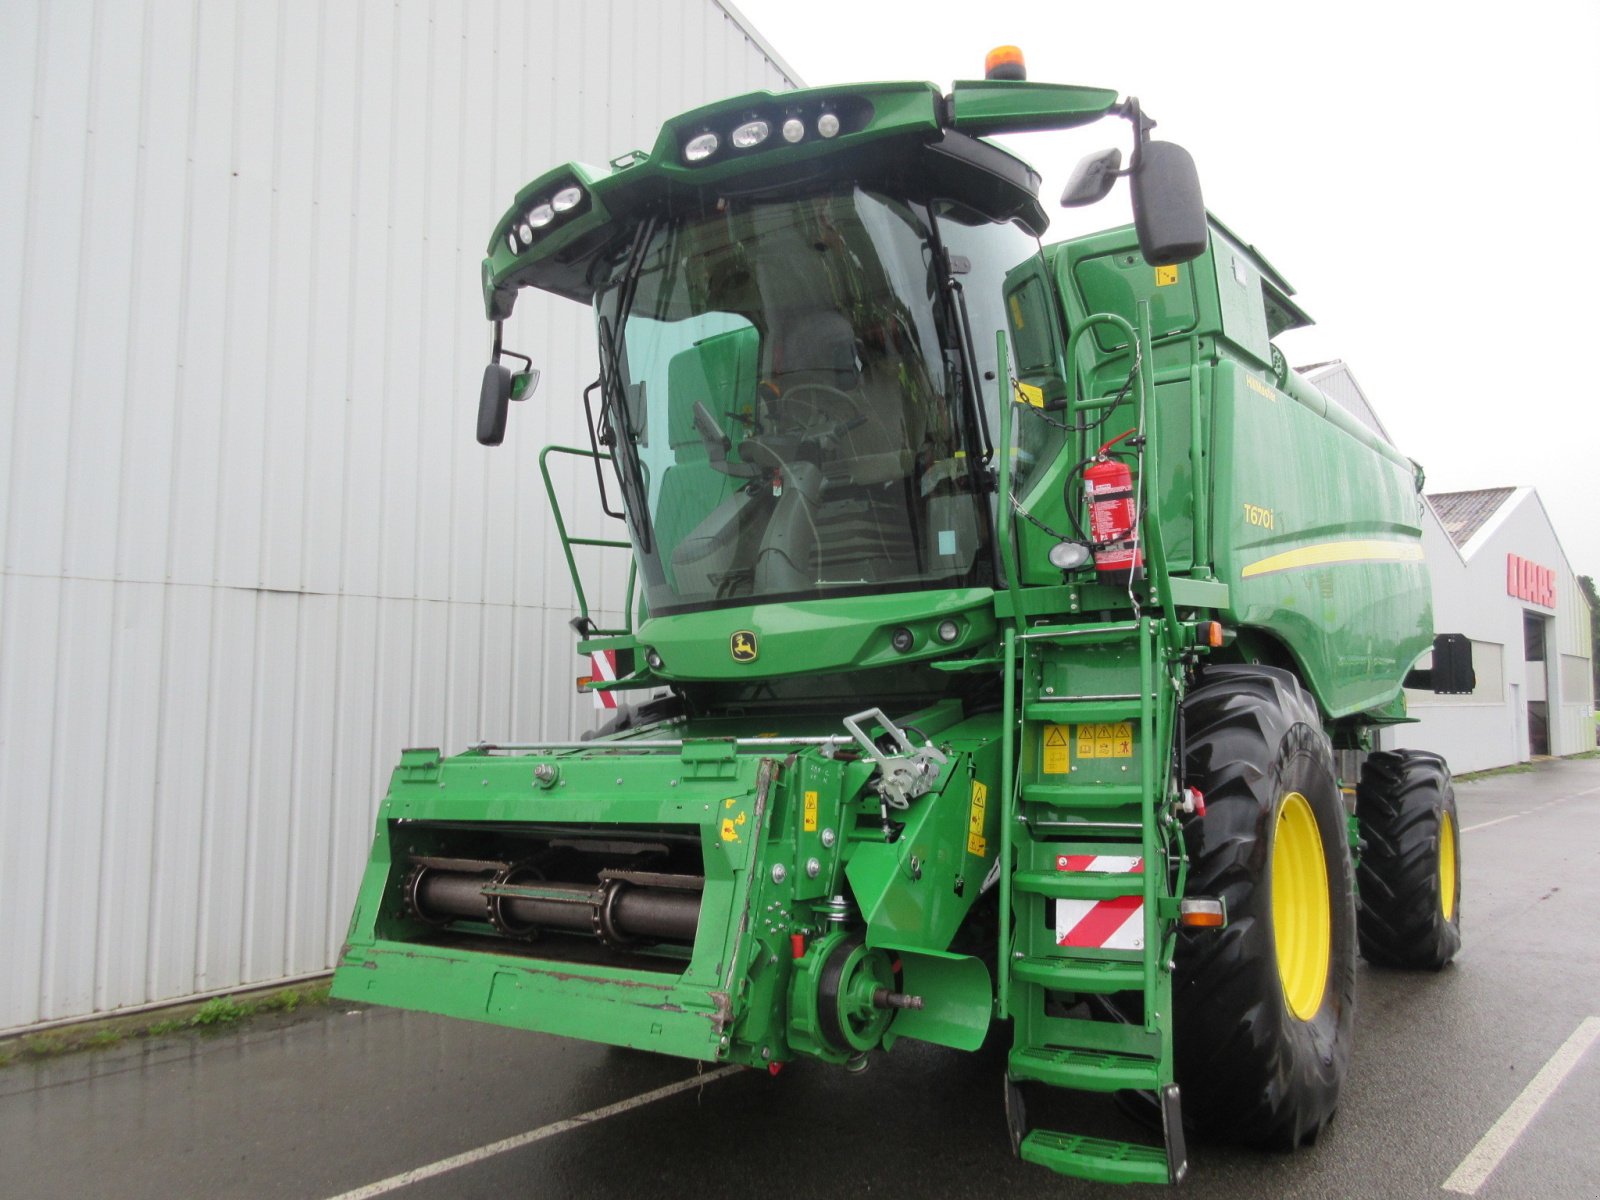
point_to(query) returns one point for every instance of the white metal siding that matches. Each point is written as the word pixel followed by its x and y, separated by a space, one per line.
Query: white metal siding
pixel 250 549
pixel 1489 728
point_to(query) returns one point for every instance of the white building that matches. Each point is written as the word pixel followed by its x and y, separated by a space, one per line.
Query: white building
pixel 1501 578
pixel 249 548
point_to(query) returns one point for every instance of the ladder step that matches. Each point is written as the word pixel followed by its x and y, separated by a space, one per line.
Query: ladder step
pixel 1095 1158
pixel 1079 885
pixel 1086 1070
pixel 1085 795
pixel 1097 976
pixel 1067 710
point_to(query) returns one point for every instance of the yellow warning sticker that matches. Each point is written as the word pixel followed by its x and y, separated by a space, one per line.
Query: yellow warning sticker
pixel 1105 740
pixel 976 842
pixel 1166 276
pixel 811 812
pixel 1056 755
pixel 1028 394
pixel 730 832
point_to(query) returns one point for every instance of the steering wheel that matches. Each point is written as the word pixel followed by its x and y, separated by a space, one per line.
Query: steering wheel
pixel 828 422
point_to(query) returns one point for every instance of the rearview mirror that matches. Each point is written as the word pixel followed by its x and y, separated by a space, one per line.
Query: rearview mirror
pixel 494 398
pixel 1168 212
pixel 1092 179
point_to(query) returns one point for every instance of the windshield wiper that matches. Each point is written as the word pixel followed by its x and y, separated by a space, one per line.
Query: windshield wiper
pixel 969 368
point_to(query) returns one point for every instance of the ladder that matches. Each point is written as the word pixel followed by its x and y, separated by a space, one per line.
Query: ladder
pixel 1088 911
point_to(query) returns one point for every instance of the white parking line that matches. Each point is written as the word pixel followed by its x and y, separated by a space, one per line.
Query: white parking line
pixel 1526 811
pixel 417 1174
pixel 1503 1134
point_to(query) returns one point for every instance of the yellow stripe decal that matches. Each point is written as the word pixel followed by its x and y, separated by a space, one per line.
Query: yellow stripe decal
pixel 1323 553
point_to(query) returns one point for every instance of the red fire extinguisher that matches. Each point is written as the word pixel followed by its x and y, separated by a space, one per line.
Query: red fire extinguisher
pixel 1113 518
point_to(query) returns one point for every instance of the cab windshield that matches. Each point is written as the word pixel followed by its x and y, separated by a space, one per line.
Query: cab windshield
pixel 788 413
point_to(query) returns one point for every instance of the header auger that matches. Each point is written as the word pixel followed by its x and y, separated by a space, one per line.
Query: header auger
pixel 1001 608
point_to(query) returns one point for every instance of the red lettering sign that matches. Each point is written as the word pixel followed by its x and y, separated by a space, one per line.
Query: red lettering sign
pixel 1529 581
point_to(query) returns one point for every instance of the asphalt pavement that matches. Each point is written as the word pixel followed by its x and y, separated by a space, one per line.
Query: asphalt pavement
pixel 373 1102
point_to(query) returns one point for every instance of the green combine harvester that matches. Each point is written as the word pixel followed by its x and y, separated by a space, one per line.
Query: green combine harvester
pixel 999 612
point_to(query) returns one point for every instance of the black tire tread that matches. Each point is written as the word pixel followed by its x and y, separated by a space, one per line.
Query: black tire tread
pixel 1400 803
pixel 1243 1077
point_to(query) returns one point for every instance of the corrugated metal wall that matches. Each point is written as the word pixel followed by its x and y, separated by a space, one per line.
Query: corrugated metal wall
pixel 250 546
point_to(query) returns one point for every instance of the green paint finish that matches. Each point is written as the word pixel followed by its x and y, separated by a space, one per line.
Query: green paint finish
pixel 812 636
pixel 917 890
pixel 1332 569
pixel 1282 471
pixel 619 1008
pixel 986 106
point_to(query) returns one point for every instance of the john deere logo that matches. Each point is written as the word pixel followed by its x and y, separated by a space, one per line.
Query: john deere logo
pixel 742 645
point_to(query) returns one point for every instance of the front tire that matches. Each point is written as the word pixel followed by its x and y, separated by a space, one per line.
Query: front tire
pixel 1409 875
pixel 1264 1007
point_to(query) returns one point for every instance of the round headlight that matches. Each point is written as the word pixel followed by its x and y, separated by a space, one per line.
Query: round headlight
pixel 652 659
pixel 512 243
pixel 541 215
pixel 828 124
pixel 902 639
pixel 751 133
pixel 794 129
pixel 949 631
pixel 701 147
pixel 566 198
pixel 525 233
pixel 1067 555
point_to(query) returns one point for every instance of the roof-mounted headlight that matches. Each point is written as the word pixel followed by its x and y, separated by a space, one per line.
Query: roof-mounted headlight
pixel 751 133
pixel 701 147
pixel 567 198
pixel 541 215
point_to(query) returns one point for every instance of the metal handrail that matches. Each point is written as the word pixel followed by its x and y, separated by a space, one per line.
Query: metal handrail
pixel 568 542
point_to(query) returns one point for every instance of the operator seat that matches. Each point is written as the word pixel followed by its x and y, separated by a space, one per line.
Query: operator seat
pixel 817 381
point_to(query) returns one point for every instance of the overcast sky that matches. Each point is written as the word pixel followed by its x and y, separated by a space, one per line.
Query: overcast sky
pixel 1424 175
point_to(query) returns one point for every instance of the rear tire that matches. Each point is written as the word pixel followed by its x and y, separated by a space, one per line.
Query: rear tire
pixel 1409 876
pixel 1264 1006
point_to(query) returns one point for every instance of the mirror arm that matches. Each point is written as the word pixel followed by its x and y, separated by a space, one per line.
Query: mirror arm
pixel 1130 111
pixel 499 349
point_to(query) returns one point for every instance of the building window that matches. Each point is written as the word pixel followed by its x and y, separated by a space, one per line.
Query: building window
pixel 1533 637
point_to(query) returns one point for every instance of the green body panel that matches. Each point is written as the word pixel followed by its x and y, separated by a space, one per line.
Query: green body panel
pixel 984 106
pixel 758 819
pixel 1262 483
pixel 813 636
pixel 1335 571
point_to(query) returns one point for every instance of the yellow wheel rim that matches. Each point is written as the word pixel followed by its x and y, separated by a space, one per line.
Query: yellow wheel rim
pixel 1302 925
pixel 1447 866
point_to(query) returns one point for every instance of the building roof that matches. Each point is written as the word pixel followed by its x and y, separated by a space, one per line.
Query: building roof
pixel 1463 513
pixel 1335 380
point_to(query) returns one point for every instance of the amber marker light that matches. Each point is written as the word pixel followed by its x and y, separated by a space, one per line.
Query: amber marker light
pixel 1005 62
pixel 1196 913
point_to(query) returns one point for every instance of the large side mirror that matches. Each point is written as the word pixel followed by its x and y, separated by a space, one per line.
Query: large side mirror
pixel 1092 179
pixel 494 399
pixel 1168 212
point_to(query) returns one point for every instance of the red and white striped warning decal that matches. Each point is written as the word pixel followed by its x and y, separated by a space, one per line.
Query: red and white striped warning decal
pixel 604 665
pixel 1115 924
